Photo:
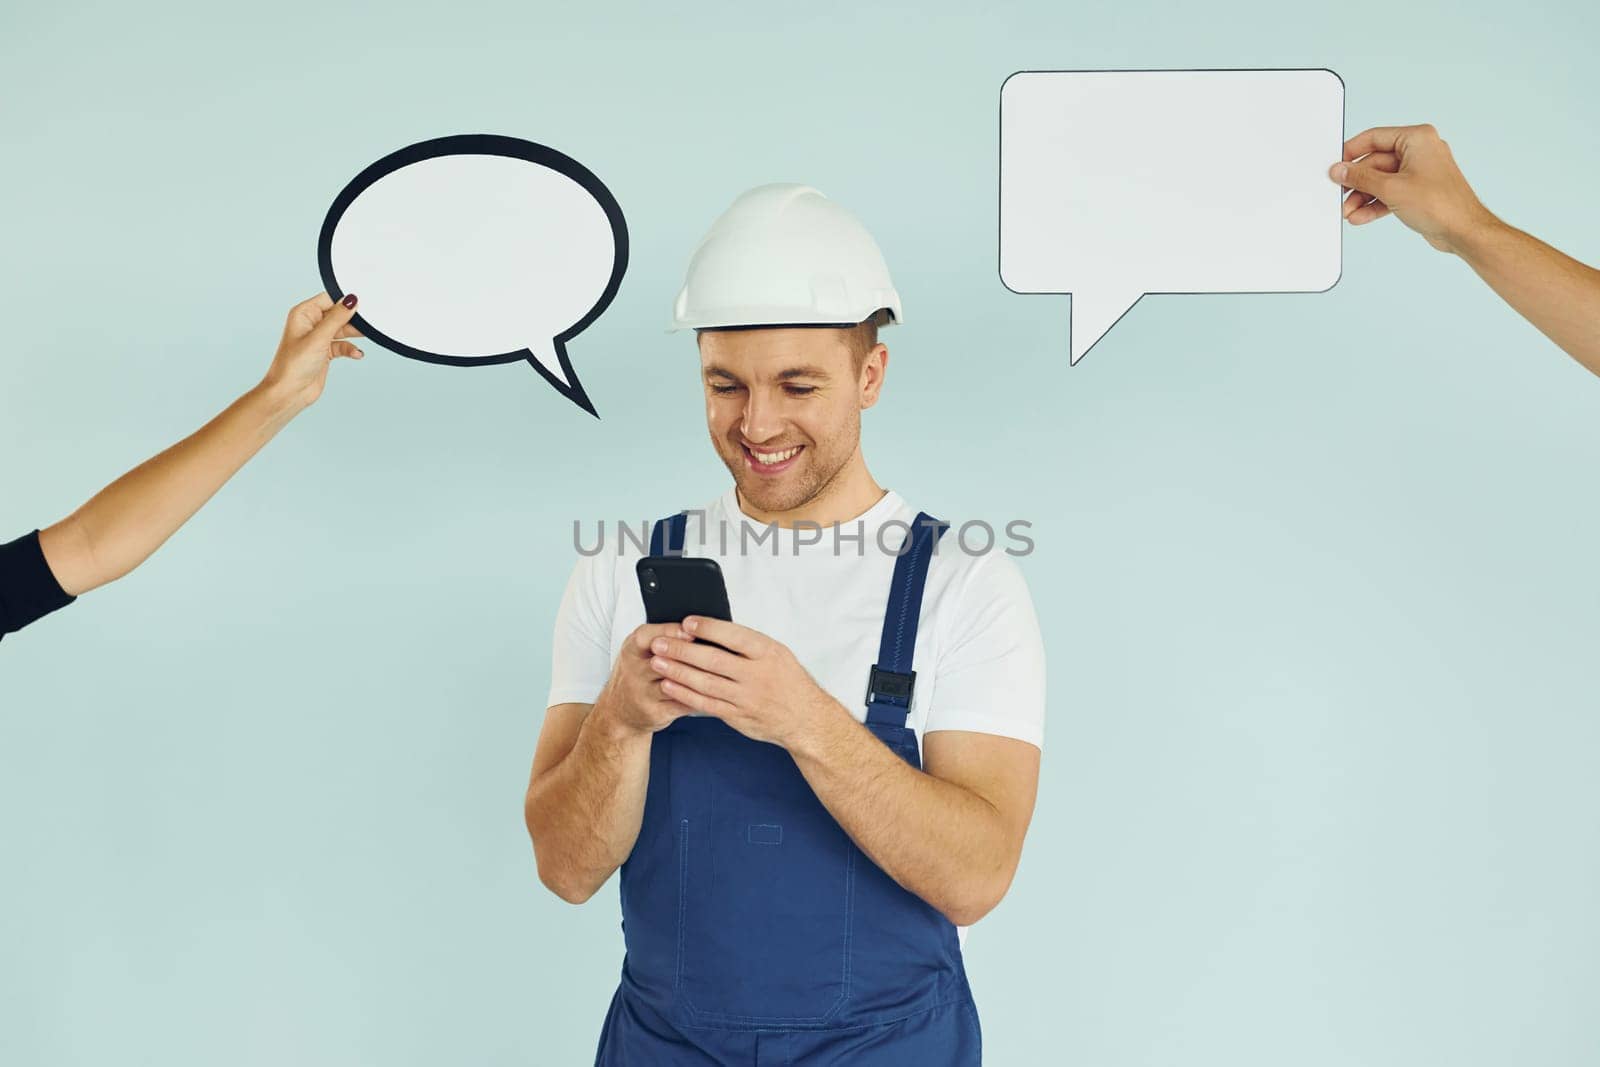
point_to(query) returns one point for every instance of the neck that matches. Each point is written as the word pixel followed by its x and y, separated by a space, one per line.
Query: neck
pixel 850 493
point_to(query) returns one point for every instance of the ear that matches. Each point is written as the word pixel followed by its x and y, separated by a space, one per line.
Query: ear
pixel 873 369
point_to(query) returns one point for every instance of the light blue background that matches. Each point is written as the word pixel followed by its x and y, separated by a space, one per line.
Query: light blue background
pixel 1317 573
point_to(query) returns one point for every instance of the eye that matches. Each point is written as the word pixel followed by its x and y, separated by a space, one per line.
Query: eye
pixel 800 390
pixel 724 390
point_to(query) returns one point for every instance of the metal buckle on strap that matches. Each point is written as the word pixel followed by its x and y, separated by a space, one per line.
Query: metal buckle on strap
pixel 890 687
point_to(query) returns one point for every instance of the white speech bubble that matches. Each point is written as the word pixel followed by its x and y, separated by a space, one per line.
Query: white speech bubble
pixel 477 249
pixel 1114 184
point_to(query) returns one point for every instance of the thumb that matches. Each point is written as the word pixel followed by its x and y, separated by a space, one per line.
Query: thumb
pixel 1364 177
pixel 333 320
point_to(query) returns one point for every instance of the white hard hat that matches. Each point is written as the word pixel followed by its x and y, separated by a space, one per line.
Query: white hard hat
pixel 784 254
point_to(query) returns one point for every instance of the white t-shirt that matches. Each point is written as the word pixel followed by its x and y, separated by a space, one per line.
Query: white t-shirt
pixel 979 657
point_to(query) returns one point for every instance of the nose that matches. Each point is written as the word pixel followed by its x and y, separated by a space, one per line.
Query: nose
pixel 761 421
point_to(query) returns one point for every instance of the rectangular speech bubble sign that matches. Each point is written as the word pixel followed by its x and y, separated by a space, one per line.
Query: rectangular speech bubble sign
pixel 1114 184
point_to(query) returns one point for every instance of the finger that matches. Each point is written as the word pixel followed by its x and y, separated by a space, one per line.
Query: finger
pixel 663 703
pixel 699 654
pixel 1377 139
pixel 730 635
pixel 304 316
pixel 347 350
pixel 1384 161
pixel 702 682
pixel 1370 180
pixel 658 691
pixel 1356 199
pixel 313 305
pixel 349 331
pixel 333 319
pixel 1370 213
pixel 697 701
pixel 652 630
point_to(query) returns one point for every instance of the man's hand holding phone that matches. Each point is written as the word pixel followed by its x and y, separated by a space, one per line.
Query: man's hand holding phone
pixel 632 699
pixel 749 680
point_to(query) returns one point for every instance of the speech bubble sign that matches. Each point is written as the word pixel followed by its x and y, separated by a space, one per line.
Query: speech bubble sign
pixel 477 249
pixel 1118 183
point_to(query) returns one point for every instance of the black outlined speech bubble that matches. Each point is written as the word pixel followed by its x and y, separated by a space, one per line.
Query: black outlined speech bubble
pixel 477 249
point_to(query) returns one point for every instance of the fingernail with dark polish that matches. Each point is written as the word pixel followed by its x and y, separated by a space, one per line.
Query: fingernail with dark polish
pixel 349 301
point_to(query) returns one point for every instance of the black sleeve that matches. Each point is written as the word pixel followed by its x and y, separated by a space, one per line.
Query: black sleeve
pixel 28 589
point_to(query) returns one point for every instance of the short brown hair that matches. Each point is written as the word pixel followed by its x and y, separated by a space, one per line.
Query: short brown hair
pixel 864 335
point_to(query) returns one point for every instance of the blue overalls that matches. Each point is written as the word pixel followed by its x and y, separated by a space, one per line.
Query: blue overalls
pixel 756 931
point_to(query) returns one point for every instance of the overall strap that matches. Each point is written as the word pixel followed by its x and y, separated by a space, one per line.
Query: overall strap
pixel 890 683
pixel 666 537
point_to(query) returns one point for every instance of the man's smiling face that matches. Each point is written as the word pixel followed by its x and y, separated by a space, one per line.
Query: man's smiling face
pixel 783 405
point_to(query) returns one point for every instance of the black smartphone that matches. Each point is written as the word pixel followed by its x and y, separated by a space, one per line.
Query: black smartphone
pixel 676 586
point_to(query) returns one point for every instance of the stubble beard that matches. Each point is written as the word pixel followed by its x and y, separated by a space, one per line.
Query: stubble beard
pixel 794 489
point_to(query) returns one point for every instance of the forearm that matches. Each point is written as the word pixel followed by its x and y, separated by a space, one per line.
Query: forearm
pixel 584 813
pixel 945 843
pixel 130 518
pixel 1550 289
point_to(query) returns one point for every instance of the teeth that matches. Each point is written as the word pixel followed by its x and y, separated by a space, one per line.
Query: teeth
pixel 773 457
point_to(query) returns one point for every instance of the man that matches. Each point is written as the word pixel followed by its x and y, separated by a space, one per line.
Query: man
pixel 1409 171
pixel 808 816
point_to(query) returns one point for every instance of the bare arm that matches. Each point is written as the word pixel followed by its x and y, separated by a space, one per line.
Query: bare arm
pixel 951 834
pixel 129 519
pixel 1547 287
pixel 585 798
pixel 1410 172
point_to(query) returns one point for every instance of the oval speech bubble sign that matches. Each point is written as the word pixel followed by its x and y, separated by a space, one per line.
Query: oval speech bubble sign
pixel 477 249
